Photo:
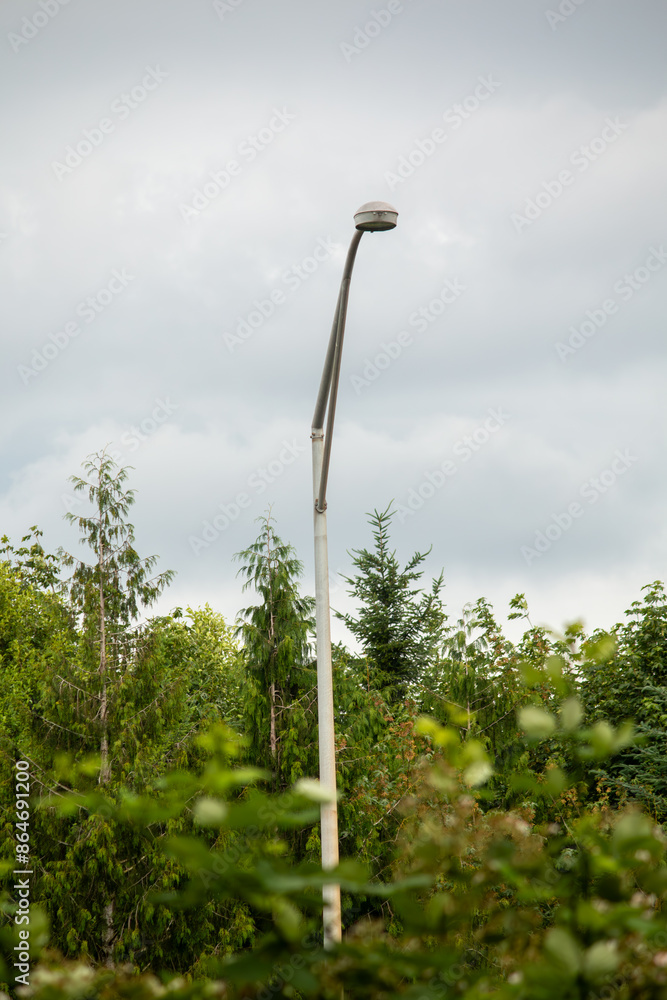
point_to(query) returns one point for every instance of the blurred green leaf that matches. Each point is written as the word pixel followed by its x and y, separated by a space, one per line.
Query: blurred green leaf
pixel 536 722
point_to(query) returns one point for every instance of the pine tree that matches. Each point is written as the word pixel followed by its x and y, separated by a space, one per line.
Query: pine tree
pixel 398 624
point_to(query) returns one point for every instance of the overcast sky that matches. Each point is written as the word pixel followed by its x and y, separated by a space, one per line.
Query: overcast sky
pixel 177 194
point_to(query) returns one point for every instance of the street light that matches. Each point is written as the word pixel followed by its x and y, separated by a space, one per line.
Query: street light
pixel 374 216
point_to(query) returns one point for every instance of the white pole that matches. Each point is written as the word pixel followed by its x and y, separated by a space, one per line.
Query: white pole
pixel 325 706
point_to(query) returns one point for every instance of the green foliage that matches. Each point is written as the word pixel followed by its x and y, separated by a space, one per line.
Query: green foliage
pixel 107 594
pixel 179 677
pixel 280 706
pixel 192 675
pixel 499 821
pixel 398 625
pixel 35 566
pixel 482 904
pixel 118 584
pixel 631 682
pixel 476 682
pixel 163 681
pixel 36 637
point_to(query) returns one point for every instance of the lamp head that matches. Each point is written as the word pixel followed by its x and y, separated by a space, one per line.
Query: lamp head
pixel 375 216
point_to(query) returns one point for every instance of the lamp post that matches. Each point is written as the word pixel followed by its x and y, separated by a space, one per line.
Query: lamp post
pixel 374 216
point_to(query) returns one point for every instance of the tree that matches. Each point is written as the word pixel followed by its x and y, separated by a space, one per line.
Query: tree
pixel 36 567
pixel 36 635
pixel 398 625
pixel 475 683
pixel 214 666
pixel 631 683
pixel 166 680
pixel 107 596
pixel 281 704
pixel 109 593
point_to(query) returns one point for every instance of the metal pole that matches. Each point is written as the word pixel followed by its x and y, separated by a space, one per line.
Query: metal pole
pixel 325 705
pixel 374 216
pixel 331 373
pixel 325 709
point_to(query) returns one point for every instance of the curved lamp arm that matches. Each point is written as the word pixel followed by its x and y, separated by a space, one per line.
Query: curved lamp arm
pixel 331 374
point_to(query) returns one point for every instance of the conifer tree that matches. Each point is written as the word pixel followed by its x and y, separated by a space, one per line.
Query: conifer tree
pixel 109 593
pixel 282 700
pixel 398 625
